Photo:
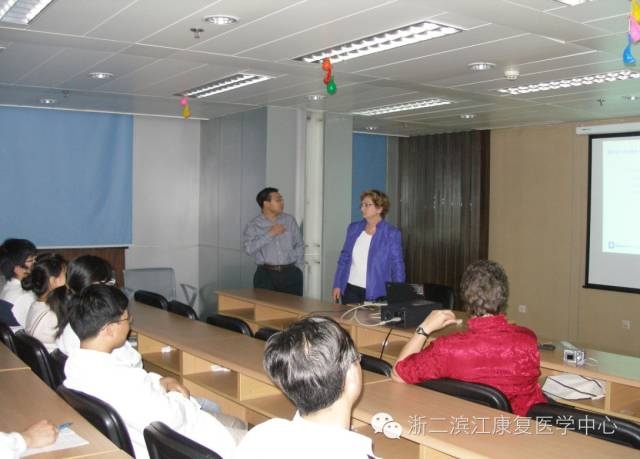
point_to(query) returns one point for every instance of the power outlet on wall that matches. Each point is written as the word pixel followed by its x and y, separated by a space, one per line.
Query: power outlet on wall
pixel 626 324
pixel 522 308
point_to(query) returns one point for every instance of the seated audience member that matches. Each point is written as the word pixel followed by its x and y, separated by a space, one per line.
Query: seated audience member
pixel 100 317
pixel 83 271
pixel 40 434
pixel 492 351
pixel 315 363
pixel 47 274
pixel 17 256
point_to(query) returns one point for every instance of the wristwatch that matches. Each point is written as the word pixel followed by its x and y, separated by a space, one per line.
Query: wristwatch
pixel 420 331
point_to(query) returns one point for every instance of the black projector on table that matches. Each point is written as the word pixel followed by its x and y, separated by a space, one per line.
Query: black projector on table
pixel 407 302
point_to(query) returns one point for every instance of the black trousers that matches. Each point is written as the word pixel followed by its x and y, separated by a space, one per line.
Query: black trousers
pixel 353 294
pixel 289 280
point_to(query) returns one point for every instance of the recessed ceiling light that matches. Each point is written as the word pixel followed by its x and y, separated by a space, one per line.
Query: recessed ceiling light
pixel 631 98
pixel 511 74
pixel 21 11
pixel 481 66
pixel 315 97
pixel 407 35
pixel 371 128
pixel 467 116
pixel 573 2
pixel 225 84
pixel 220 19
pixel 48 101
pixel 587 80
pixel 100 75
pixel 425 103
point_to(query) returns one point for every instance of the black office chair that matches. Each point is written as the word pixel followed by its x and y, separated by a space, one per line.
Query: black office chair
pixel 375 365
pixel 7 337
pixel 596 425
pixel 152 299
pixel 182 309
pixel 230 323
pixel 265 333
pixel 58 358
pixel 101 415
pixel 165 443
pixel 439 293
pixel 33 353
pixel 472 392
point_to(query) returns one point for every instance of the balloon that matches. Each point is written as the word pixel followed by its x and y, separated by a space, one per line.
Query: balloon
pixel 327 77
pixel 635 10
pixel 331 87
pixel 186 112
pixel 634 31
pixel 184 101
pixel 627 57
pixel 326 64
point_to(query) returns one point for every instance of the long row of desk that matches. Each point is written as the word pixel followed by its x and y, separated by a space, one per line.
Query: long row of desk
pixel 227 368
pixel 25 400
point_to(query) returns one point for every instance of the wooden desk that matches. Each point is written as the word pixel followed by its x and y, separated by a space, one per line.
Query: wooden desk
pixel 245 391
pixel 267 308
pixel 9 361
pixel 25 400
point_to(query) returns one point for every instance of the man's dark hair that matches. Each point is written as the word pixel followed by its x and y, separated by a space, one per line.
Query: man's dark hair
pixel 264 195
pixel 484 288
pixel 309 362
pixel 93 308
pixel 14 252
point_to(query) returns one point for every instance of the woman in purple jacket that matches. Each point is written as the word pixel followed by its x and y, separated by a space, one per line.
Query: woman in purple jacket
pixel 371 255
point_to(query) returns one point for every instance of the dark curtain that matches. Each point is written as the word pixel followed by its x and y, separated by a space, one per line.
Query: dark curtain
pixel 444 204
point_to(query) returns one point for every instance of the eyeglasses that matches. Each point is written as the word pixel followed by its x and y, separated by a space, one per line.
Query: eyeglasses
pixel 129 319
pixel 366 204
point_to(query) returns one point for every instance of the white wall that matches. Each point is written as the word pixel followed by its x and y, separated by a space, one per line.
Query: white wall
pixel 166 164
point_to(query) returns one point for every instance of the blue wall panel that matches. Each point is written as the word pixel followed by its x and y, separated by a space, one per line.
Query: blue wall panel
pixel 369 168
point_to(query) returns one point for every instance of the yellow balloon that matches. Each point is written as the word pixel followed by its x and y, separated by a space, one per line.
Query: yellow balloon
pixel 635 10
pixel 186 112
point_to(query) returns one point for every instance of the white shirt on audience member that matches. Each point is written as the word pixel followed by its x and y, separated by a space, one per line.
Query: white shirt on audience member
pixel 12 445
pixel 21 300
pixel 42 324
pixel 139 399
pixel 299 438
pixel 68 341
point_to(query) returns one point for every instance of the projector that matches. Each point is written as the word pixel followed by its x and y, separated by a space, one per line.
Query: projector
pixel 411 313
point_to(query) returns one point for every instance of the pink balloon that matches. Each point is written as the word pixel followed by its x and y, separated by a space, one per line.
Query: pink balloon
pixel 184 101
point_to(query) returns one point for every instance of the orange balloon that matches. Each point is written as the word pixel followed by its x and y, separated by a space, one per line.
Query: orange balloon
pixel 326 64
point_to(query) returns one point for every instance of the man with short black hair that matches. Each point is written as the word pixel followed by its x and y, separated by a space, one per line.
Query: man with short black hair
pixel 100 317
pixel 315 363
pixel 274 239
pixel 17 257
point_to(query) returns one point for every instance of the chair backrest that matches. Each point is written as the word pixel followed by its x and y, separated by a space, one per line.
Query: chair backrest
pixel 375 365
pixel 596 425
pixel 265 333
pixel 230 323
pixel 101 415
pixel 159 280
pixel 152 299
pixel 472 392
pixel 439 293
pixel 165 443
pixel 7 337
pixel 33 353
pixel 58 358
pixel 6 314
pixel 182 309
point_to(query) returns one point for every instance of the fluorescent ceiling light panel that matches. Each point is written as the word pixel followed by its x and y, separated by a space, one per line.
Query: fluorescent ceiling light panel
pixel 21 11
pixel 225 84
pixel 407 35
pixel 426 103
pixel 596 78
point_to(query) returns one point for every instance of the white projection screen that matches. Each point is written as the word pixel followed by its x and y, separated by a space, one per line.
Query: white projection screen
pixel 613 221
